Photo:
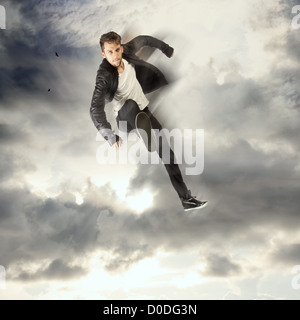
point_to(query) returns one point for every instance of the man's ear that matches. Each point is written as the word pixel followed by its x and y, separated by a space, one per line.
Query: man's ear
pixel 102 54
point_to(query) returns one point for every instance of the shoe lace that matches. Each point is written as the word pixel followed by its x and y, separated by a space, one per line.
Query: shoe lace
pixel 191 197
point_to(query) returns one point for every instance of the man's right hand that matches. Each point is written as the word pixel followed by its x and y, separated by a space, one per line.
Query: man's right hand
pixel 117 144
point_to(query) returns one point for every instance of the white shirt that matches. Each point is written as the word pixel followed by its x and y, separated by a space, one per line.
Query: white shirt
pixel 129 88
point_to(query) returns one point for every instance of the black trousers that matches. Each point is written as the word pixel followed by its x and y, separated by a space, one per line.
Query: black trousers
pixel 128 113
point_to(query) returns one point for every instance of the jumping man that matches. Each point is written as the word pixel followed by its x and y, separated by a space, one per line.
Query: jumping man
pixel 125 79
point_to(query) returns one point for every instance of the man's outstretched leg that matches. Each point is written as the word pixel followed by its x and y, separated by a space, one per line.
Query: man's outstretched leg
pixel 188 201
pixel 128 113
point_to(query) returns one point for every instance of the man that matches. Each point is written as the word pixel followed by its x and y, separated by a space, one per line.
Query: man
pixel 124 79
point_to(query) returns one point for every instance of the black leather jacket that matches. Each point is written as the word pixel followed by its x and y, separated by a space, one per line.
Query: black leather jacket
pixel 150 78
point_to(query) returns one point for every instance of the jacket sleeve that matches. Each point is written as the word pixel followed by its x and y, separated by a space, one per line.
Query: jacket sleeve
pixel 97 110
pixel 141 41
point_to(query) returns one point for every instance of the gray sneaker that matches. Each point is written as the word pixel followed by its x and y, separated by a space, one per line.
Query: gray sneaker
pixel 191 203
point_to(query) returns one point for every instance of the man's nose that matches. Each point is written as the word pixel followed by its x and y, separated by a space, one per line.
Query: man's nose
pixel 115 54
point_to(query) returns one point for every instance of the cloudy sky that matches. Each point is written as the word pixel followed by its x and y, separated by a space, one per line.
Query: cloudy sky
pixel 71 228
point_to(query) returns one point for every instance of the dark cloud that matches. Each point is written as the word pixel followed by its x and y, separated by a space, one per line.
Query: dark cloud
pixel 29 63
pixel 10 134
pixel 287 254
pixel 13 166
pixel 220 266
pixel 291 47
pixel 25 77
pixel 56 270
pixel 56 229
pixel 6 81
pixel 6 168
pixel 19 78
pixel 33 229
pixel 125 256
pixel 286 8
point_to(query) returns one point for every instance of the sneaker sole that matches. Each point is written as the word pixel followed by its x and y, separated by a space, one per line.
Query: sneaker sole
pixel 196 208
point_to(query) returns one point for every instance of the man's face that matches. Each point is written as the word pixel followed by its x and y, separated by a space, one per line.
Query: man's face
pixel 112 52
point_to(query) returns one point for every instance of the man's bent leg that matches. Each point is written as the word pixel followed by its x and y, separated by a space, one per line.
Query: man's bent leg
pixel 128 113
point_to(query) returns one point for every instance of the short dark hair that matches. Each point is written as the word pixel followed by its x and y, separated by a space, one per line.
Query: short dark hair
pixel 109 37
